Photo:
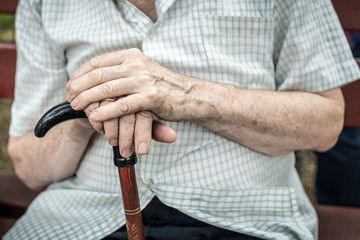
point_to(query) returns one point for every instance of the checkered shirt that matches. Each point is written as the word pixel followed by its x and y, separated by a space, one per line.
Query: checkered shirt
pixel 278 45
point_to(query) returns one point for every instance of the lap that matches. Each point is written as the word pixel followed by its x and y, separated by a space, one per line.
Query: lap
pixel 162 222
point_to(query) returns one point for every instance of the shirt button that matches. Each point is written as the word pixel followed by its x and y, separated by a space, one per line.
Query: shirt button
pixel 151 36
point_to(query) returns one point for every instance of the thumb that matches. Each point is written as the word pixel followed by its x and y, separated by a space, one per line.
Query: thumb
pixel 163 133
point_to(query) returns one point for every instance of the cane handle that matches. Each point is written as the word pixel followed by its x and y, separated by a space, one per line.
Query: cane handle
pixel 56 115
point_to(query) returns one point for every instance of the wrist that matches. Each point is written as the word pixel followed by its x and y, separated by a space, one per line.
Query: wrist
pixel 81 127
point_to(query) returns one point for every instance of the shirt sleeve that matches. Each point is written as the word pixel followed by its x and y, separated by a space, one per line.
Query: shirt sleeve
pixel 41 70
pixel 310 48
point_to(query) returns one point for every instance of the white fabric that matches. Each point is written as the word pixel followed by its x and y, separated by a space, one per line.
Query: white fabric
pixel 261 44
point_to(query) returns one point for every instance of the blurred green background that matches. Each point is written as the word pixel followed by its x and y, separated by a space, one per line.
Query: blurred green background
pixel 7 34
pixel 7 26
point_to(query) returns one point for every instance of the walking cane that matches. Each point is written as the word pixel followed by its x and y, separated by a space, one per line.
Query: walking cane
pixel 134 225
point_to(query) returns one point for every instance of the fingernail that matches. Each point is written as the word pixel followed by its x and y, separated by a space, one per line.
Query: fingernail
pixel 126 152
pixel 142 147
pixel 114 142
pixel 94 116
pixel 74 103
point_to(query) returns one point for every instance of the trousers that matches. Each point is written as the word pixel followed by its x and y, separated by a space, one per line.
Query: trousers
pixel 166 223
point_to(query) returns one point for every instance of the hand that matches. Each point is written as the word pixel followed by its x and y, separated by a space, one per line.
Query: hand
pixel 130 130
pixel 139 83
pixel 124 130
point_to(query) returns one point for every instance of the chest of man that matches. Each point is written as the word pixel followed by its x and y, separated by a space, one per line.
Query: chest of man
pixel 147 7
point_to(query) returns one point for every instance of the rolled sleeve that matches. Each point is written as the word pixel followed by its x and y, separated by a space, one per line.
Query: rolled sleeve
pixel 310 51
pixel 41 74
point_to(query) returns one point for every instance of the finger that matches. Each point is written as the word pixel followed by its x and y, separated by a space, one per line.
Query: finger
pixel 94 78
pixel 110 89
pixel 98 126
pixel 126 134
pixel 143 129
pixel 123 106
pixel 111 127
pixel 105 60
pixel 163 133
pixel 111 130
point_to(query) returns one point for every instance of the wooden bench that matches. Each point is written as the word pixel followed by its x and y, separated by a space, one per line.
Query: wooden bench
pixel 340 223
pixel 14 195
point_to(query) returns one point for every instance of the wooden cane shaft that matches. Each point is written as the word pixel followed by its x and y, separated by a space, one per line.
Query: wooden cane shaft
pixel 134 224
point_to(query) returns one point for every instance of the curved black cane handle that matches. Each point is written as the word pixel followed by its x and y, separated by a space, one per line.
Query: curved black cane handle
pixel 63 112
pixel 58 114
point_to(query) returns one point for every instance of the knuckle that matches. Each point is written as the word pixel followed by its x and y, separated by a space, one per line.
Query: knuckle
pixel 74 87
pixel 148 78
pixel 129 119
pixel 83 99
pixel 95 76
pixel 145 114
pixel 110 134
pixel 123 107
pixel 135 51
pixel 92 107
pixel 119 68
pixel 95 62
pixel 107 89
pixel 152 95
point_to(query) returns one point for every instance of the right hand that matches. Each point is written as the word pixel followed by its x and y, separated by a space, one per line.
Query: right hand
pixel 130 130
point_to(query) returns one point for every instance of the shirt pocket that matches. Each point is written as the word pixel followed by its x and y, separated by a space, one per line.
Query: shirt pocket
pixel 237 36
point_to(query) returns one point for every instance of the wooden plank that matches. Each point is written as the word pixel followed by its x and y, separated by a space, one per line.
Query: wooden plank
pixel 351 94
pixel 348 12
pixel 15 197
pixel 5 225
pixel 7 69
pixel 352 104
pixel 338 223
pixel 8 6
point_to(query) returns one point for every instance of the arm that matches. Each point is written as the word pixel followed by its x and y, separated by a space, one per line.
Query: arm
pixel 40 161
pixel 40 80
pixel 269 122
pixel 276 123
pixel 41 77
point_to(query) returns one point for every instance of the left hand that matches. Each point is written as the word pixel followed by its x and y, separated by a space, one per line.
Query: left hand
pixel 107 77
pixel 139 83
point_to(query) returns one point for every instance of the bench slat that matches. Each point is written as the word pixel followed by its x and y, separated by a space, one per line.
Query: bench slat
pixel 8 6
pixel 352 104
pixel 338 223
pixel 15 197
pixel 5 225
pixel 348 12
pixel 7 69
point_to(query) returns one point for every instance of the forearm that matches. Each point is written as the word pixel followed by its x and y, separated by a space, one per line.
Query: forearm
pixel 274 123
pixel 39 162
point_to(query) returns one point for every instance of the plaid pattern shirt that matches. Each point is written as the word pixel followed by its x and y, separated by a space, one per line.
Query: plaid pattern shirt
pixel 278 45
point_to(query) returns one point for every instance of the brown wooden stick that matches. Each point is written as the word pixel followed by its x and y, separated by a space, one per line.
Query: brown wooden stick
pixel 134 224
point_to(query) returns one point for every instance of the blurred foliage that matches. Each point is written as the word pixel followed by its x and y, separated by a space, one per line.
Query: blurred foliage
pixel 7 26
pixel 5 161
